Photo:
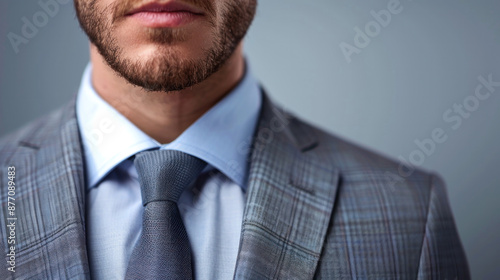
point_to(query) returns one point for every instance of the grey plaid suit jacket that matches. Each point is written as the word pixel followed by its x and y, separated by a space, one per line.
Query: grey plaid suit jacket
pixel 318 207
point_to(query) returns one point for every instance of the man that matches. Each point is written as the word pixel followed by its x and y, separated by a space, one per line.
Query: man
pixel 173 163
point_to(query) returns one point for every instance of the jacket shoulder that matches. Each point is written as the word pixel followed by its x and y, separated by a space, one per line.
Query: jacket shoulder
pixel 355 160
pixel 379 201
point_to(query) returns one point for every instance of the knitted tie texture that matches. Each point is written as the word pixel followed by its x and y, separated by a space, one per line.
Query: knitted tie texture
pixel 163 250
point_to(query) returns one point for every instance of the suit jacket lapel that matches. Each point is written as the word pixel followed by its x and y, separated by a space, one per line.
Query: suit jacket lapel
pixel 289 201
pixel 51 235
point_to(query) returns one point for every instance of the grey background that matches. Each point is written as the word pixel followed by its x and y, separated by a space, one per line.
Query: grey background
pixel 395 91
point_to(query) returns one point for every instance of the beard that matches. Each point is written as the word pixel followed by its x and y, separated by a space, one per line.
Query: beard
pixel 167 70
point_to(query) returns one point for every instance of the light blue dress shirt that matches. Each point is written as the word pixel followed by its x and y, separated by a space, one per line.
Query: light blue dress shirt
pixel 212 208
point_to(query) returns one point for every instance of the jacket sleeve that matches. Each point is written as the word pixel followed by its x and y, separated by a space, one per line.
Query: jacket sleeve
pixel 442 255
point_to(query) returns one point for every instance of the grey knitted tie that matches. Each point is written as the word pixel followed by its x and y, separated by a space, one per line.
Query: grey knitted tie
pixel 163 250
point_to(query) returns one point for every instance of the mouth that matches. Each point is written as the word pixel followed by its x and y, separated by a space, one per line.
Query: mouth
pixel 161 15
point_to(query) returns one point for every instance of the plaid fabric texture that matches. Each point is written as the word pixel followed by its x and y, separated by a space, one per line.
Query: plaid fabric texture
pixel 318 207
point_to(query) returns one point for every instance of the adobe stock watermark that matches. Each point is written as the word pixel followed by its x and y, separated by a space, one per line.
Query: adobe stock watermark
pixel 96 134
pixel 454 118
pixel 373 28
pixel 32 25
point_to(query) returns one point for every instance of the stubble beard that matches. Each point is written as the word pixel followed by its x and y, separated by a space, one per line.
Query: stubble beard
pixel 167 70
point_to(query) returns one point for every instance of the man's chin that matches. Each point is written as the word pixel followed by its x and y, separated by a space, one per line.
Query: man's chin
pixel 160 74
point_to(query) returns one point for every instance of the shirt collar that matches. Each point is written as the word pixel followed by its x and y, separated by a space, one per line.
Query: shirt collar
pixel 221 137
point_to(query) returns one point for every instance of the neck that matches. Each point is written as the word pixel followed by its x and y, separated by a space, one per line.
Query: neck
pixel 164 116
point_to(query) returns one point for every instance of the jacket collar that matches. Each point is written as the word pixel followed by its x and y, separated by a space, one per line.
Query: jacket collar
pixel 289 202
pixel 290 198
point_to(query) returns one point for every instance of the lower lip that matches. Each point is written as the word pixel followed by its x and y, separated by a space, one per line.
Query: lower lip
pixel 164 19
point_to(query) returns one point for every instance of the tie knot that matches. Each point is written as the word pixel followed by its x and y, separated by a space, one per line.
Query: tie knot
pixel 164 174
